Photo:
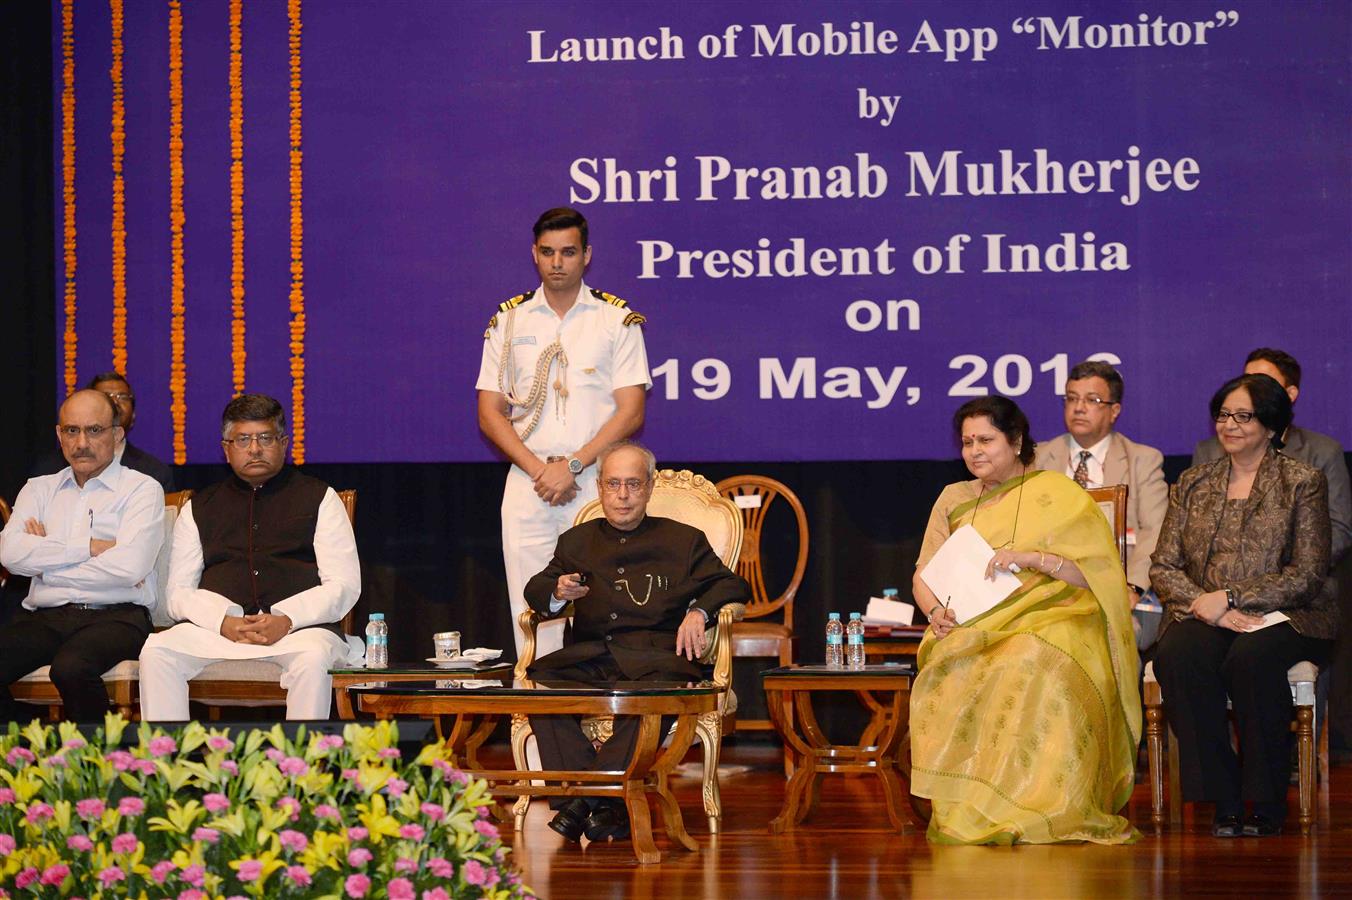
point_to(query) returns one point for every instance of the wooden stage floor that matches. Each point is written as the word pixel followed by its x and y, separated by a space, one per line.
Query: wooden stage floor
pixel 844 850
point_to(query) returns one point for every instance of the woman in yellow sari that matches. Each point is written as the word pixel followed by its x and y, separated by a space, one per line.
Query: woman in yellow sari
pixel 1025 719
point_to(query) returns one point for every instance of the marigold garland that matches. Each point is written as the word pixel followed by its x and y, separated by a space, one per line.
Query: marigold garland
pixel 237 196
pixel 178 373
pixel 119 221
pixel 297 294
pixel 69 341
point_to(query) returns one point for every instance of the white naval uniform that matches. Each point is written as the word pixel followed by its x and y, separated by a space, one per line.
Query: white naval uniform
pixel 170 659
pixel 604 355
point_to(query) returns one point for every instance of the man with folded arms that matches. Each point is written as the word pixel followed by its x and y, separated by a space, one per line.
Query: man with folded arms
pixel 643 589
pixel 263 567
pixel 88 537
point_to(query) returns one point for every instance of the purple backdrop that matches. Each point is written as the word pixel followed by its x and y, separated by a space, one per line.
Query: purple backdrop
pixel 432 141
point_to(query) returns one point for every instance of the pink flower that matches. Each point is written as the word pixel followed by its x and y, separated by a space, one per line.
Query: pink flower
pixel 161 870
pixel 75 743
pixel 249 870
pixel 395 787
pixel 38 813
pixel 111 876
pixel 56 874
pixel 358 857
pixel 325 811
pixel 299 875
pixel 7 844
pixel 206 835
pixel 390 753
pixel 401 889
pixel 274 754
pixel 357 885
pixel 291 805
pixel 146 766
pixel 58 760
pixel 405 866
pixel 293 766
pixel 330 742
pixel 131 806
pixel 90 808
pixel 294 841
pixel 125 843
pixel 220 742
pixel 26 877
pixel 440 867
pixel 6 796
pixel 350 774
pixel 216 803
pixel 194 875
pixel 475 873
pixel 120 759
pixel 18 755
pixel 162 746
pixel 230 766
pixel 487 829
pixel 457 776
pixel 412 832
pixel 80 842
pixel 433 812
pixel 190 894
pixel 436 894
pixel 357 833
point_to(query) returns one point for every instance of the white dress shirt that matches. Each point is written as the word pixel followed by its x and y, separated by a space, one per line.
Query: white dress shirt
pixel 118 504
pixel 1097 454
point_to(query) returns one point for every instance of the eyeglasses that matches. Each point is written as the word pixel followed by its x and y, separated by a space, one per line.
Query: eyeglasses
pixel 1092 400
pixel 1243 417
pixel 93 432
pixel 265 440
pixel 120 396
pixel 613 485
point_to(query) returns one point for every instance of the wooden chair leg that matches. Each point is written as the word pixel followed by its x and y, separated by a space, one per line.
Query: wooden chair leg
pixel 1175 787
pixel 520 731
pixel 1306 765
pixel 709 728
pixel 1154 743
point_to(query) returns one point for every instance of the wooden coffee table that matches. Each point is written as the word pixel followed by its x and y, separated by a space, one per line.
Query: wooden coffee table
pixel 346 677
pixel 885 690
pixel 468 714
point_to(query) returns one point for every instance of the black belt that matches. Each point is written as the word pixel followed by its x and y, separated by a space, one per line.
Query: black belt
pixel 88 606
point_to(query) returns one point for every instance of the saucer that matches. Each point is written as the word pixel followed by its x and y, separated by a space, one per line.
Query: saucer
pixel 458 662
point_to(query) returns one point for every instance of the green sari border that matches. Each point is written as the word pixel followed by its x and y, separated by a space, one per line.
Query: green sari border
pixel 962 508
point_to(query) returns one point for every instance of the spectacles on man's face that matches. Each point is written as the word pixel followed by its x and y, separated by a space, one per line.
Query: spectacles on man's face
pixel 266 439
pixel 1243 417
pixel 93 432
pixel 1093 400
pixel 613 485
pixel 121 396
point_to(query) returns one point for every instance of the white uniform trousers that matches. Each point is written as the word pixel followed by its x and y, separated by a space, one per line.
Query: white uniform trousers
pixel 170 659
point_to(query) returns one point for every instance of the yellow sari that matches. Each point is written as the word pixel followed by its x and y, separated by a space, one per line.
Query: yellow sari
pixel 1025 720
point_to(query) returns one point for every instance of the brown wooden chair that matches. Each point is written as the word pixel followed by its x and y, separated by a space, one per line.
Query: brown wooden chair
pixel 1112 499
pixel 254 682
pixel 693 500
pixel 757 635
pixel 4 520
pixel 121 679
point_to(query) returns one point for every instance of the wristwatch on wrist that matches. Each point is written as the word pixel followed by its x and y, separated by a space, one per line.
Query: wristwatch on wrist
pixel 575 465
pixel 1230 602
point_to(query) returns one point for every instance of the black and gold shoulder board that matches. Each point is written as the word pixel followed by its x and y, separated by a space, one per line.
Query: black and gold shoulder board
pixel 608 298
pixel 634 319
pixel 505 306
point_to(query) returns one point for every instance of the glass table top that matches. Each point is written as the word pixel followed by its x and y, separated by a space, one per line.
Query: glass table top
pixel 887 668
pixel 507 687
pixel 423 668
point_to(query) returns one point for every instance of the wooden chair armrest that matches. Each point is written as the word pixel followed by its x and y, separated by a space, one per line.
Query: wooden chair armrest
pixel 529 621
pixel 718 643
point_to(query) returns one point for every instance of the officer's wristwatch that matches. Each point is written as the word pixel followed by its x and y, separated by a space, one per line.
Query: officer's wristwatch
pixel 574 465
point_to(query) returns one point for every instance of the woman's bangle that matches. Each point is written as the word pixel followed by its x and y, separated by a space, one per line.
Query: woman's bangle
pixel 1042 562
pixel 1058 566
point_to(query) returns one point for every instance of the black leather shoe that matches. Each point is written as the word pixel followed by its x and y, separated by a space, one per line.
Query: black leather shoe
pixel 607 822
pixel 1226 827
pixel 571 819
pixel 1261 826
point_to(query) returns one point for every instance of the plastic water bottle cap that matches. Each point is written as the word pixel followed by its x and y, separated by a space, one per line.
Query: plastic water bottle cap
pixel 856 616
pixel 889 592
pixel 377 617
pixel 835 617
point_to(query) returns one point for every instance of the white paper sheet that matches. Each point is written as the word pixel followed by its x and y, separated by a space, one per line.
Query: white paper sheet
pixel 1273 618
pixel 882 611
pixel 957 575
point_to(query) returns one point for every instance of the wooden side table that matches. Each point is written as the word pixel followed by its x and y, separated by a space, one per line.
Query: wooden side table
pixel 885 690
pixel 346 677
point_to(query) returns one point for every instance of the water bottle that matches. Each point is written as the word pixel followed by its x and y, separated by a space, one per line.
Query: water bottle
pixel 835 642
pixel 854 636
pixel 377 642
pixel 889 593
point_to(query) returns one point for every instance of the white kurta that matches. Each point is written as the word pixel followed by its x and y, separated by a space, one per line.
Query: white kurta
pixel 171 658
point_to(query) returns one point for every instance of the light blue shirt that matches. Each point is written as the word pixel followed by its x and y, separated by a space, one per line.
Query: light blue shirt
pixel 118 504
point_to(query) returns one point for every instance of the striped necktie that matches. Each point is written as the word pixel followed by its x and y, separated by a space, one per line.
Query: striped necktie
pixel 1082 470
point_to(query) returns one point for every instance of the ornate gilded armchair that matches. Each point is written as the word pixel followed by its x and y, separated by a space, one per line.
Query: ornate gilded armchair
pixel 693 500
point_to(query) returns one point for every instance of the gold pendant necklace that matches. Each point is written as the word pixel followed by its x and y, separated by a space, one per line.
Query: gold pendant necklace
pixel 646 597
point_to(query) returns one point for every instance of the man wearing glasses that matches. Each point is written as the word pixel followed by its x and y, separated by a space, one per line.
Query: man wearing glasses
pixel 88 537
pixel 263 567
pixel 1095 455
pixel 643 589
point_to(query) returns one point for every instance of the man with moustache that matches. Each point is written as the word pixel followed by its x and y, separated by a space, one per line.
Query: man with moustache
pixel 87 536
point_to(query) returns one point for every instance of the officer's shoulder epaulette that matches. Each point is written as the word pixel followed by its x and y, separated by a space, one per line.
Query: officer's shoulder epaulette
pixel 507 306
pixel 632 318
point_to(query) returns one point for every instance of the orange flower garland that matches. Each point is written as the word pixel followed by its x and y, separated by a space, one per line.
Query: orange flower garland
pixel 69 342
pixel 119 223
pixel 236 196
pixel 178 372
pixel 297 294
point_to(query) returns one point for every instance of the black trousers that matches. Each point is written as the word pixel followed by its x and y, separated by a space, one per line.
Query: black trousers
pixel 561 741
pixel 79 644
pixel 1198 666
